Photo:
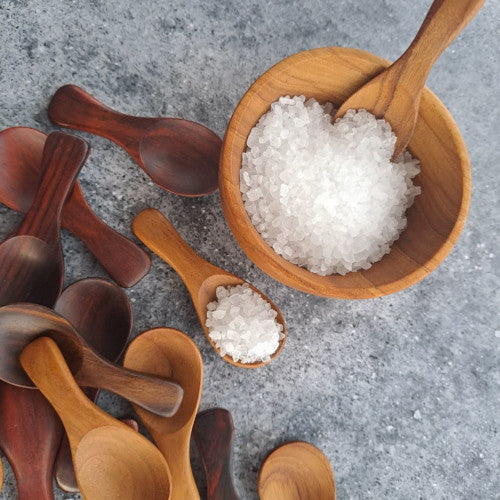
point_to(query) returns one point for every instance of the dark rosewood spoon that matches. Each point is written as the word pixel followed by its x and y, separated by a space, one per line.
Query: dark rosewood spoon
pixel 20 176
pixel 31 259
pixel 213 434
pixel 101 313
pixel 22 323
pixel 179 155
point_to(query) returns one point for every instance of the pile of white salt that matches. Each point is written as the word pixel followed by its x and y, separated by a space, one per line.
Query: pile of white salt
pixel 326 196
pixel 243 325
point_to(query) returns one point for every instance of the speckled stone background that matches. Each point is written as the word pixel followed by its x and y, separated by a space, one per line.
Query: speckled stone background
pixel 401 393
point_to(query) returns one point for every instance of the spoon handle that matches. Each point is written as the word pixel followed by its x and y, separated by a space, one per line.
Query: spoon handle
pixel 125 261
pixel 30 428
pixel 156 232
pixel 213 434
pixel 72 107
pixel 155 394
pixel 62 159
pixel 444 21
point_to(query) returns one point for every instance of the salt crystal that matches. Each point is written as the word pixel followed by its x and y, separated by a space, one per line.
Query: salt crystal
pixel 243 325
pixel 326 196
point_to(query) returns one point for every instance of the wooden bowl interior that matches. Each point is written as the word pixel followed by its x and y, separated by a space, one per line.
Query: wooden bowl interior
pixel 436 218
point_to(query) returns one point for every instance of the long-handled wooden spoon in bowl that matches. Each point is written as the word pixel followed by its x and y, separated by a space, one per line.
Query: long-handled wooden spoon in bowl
pixel 394 94
pixel 101 313
pixel 179 155
pixel 22 323
pixel 213 434
pixel 20 176
pixel 170 353
pixel 200 277
pixel 112 461
pixel 296 471
pixel 31 259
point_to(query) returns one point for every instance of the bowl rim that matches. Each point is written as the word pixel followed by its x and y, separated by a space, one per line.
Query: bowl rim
pixel 276 266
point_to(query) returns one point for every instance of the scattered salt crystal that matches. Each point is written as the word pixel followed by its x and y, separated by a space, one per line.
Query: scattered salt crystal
pixel 243 325
pixel 326 196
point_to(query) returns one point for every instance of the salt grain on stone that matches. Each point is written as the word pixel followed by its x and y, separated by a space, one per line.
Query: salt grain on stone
pixel 326 196
pixel 243 325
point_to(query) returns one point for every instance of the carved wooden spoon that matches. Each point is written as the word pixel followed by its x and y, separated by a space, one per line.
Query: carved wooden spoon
pixel 101 313
pixel 22 323
pixel 31 259
pixel 20 176
pixel 395 93
pixel 296 471
pixel 213 434
pixel 179 155
pixel 111 460
pixel 170 353
pixel 200 277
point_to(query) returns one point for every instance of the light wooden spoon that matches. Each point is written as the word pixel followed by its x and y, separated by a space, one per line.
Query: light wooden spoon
pixel 111 460
pixel 296 471
pixel 166 352
pixel 395 93
pixel 200 277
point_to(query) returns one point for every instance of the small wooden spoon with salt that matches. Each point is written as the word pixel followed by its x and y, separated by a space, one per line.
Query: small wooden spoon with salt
pixel 395 93
pixel 166 352
pixel 200 277
pixel 111 460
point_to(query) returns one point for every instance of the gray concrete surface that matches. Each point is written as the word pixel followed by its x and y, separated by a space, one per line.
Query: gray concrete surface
pixel 401 393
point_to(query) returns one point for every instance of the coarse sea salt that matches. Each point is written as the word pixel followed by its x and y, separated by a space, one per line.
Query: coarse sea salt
pixel 326 196
pixel 243 325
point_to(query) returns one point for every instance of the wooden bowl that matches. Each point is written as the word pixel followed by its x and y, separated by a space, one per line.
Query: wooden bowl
pixel 436 218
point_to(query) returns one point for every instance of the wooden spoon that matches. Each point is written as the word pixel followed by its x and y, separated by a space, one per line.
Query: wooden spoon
pixel 394 94
pixel 31 259
pixel 101 313
pixel 112 461
pixel 200 277
pixel 170 353
pixel 22 323
pixel 20 176
pixel 296 471
pixel 213 434
pixel 180 156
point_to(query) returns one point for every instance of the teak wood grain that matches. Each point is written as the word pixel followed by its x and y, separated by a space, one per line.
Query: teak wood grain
pixel 200 277
pixel 179 155
pixel 436 218
pixel 111 460
pixel 20 324
pixel 395 93
pixel 20 176
pixel 296 471
pixel 213 434
pixel 101 313
pixel 31 259
pixel 171 353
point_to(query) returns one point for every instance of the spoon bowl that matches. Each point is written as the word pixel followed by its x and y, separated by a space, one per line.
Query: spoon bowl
pixel 179 155
pixel 21 173
pixel 171 353
pixel 436 218
pixel 111 460
pixel 200 277
pixel 296 471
